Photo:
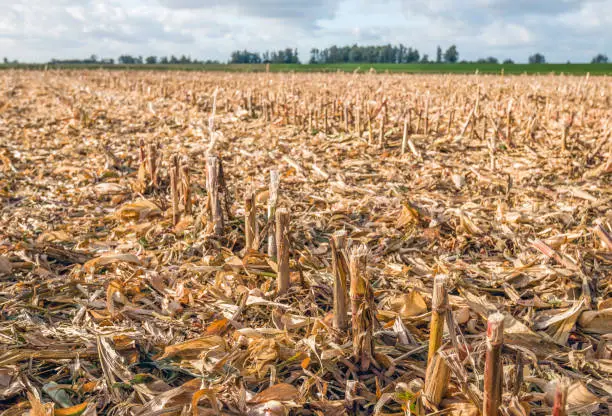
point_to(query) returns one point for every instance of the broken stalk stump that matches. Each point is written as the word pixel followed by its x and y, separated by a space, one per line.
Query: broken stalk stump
pixel 567 125
pixel 282 240
pixel 152 159
pixel 362 308
pixel 381 133
pixel 174 190
pixel 427 115
pixel 346 120
pixel 250 224
pixel 439 304
pixel 560 402
pixel 509 122
pixel 340 271
pixel 493 373
pixel 405 136
pixel 186 182
pixel 142 153
pixel 214 200
pixel 326 127
pixel 272 200
pixel 437 377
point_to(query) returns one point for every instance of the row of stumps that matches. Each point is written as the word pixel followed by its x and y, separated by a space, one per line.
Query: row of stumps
pixel 438 373
pixel 278 220
pixel 346 266
pixel 278 246
pixel 351 266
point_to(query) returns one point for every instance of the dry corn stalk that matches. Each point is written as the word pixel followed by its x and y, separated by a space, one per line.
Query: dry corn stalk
pixel 325 126
pixel 567 125
pixel 437 373
pixel 174 189
pixel 427 115
pixel 493 373
pixel 362 308
pixel 214 201
pixel 509 122
pixel 345 116
pixel 560 401
pixel 250 223
pixel 186 186
pixel 340 271
pixel 152 163
pixel 437 377
pixel 282 240
pixel 439 304
pixel 142 153
pixel 272 201
pixel 381 133
pixel 405 136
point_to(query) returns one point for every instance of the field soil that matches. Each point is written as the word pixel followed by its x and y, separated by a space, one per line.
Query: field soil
pixel 149 265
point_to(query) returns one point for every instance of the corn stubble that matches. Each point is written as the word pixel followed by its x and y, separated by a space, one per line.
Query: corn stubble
pixel 451 234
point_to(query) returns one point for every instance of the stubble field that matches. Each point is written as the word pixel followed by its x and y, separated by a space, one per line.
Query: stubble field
pixel 149 265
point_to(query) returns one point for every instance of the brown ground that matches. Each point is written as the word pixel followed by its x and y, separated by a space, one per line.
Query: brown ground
pixel 107 306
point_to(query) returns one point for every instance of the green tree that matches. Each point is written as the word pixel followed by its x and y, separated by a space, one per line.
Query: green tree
pixel 151 60
pixel 413 55
pixel 127 60
pixel 439 54
pixel 537 58
pixel 600 59
pixel 451 55
pixel 508 61
pixel 314 56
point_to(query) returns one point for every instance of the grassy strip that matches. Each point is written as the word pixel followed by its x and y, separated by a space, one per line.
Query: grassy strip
pixel 573 69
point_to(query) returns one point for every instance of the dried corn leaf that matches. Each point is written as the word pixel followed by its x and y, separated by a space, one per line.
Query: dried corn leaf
pixel 137 211
pixel 282 392
pixel 193 348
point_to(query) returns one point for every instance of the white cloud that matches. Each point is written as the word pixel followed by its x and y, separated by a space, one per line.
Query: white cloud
pixel 561 29
pixel 500 34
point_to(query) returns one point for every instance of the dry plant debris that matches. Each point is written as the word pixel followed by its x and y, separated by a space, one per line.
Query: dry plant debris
pixel 178 244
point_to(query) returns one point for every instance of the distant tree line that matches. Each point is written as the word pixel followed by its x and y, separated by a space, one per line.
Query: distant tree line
pixel 93 59
pixel 391 54
pixel 164 60
pixel 282 56
pixel 134 60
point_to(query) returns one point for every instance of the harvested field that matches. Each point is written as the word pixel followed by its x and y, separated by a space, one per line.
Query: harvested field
pixel 149 265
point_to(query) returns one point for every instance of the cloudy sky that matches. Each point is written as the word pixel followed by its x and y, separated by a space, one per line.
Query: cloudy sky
pixel 34 30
